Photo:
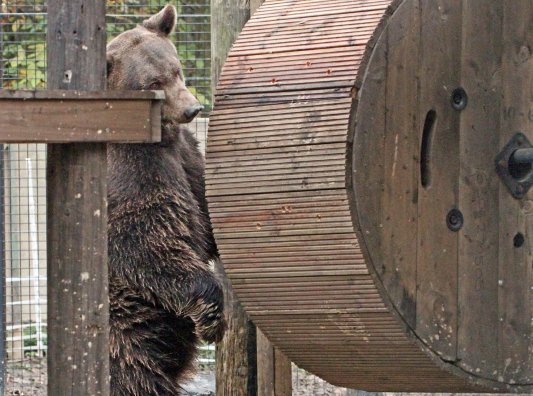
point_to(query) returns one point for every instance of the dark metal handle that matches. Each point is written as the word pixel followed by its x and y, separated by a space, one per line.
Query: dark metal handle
pixel 514 165
pixel 522 156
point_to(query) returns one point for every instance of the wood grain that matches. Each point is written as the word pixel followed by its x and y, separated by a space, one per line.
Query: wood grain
pixel 274 371
pixel 58 117
pixel 437 250
pixel 402 173
pixel 479 187
pixel 236 355
pixel 334 156
pixel 515 271
pixel 78 310
pixel 236 370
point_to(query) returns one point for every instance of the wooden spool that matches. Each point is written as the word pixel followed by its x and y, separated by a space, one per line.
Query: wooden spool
pixel 354 194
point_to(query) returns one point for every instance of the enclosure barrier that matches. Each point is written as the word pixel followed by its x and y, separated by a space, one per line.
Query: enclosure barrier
pixel 78 310
pixel 367 196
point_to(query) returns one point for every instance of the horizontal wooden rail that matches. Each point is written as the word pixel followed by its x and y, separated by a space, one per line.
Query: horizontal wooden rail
pixel 76 116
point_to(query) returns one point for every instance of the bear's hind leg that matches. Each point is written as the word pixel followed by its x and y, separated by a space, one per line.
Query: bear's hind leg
pixel 151 357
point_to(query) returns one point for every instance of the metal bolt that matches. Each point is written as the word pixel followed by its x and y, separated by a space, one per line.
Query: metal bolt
pixel 455 220
pixel 518 240
pixel 459 99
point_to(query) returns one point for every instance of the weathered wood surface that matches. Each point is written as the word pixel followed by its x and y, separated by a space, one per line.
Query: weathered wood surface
pixel 236 355
pixel 462 278
pixel 479 187
pixel 274 370
pixel 436 273
pixel 515 267
pixel 78 309
pixel 334 157
pixel 77 116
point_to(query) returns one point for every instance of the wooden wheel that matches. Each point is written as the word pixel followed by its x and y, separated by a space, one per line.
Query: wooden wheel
pixel 363 193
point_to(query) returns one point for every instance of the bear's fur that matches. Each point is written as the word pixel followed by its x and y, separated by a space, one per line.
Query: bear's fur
pixel 164 297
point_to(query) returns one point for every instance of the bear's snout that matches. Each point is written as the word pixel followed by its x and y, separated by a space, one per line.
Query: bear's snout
pixel 193 111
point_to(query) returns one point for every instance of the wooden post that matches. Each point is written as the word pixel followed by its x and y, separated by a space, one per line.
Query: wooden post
pixel 78 309
pixel 273 369
pixel 236 370
pixel 246 366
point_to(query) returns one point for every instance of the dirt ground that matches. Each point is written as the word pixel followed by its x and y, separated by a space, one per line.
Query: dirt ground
pixel 28 378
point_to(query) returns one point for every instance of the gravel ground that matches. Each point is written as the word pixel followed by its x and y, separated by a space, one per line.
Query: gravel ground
pixel 28 378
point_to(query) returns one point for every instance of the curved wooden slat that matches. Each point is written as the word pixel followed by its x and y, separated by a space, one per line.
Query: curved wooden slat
pixel 299 209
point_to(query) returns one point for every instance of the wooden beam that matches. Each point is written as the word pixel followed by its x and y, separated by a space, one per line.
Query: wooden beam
pixel 77 116
pixel 274 375
pixel 236 363
pixel 78 308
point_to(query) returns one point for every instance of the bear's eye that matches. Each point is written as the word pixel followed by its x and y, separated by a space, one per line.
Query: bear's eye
pixel 155 85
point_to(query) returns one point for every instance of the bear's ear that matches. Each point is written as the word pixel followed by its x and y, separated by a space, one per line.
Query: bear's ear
pixel 164 21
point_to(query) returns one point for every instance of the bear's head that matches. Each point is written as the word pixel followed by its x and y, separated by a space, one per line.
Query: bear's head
pixel 145 58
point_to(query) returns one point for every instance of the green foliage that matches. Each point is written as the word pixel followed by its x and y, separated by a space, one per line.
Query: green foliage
pixel 31 341
pixel 23 51
pixel 23 40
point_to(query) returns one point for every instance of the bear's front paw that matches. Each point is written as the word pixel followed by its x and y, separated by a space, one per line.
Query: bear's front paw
pixel 210 322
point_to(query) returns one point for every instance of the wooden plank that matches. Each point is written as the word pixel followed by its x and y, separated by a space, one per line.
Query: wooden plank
pixel 78 303
pixel 515 273
pixel 66 95
pixel 478 187
pixel 236 371
pixel 282 374
pixel 265 366
pixel 236 367
pixel 80 120
pixel 274 376
pixel 239 100
pixel 436 314
pixel 289 16
pixel 401 160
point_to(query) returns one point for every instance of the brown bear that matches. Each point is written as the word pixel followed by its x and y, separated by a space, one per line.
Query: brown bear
pixel 164 297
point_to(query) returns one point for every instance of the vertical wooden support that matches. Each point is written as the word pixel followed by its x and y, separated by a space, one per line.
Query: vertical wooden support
pixel 78 310
pixel 244 366
pixel 236 370
pixel 273 369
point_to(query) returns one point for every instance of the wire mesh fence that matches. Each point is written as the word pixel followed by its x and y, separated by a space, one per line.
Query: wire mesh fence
pixel 24 169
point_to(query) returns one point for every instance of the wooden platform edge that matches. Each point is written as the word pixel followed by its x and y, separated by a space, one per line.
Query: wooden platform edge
pixel 82 95
pixel 59 116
